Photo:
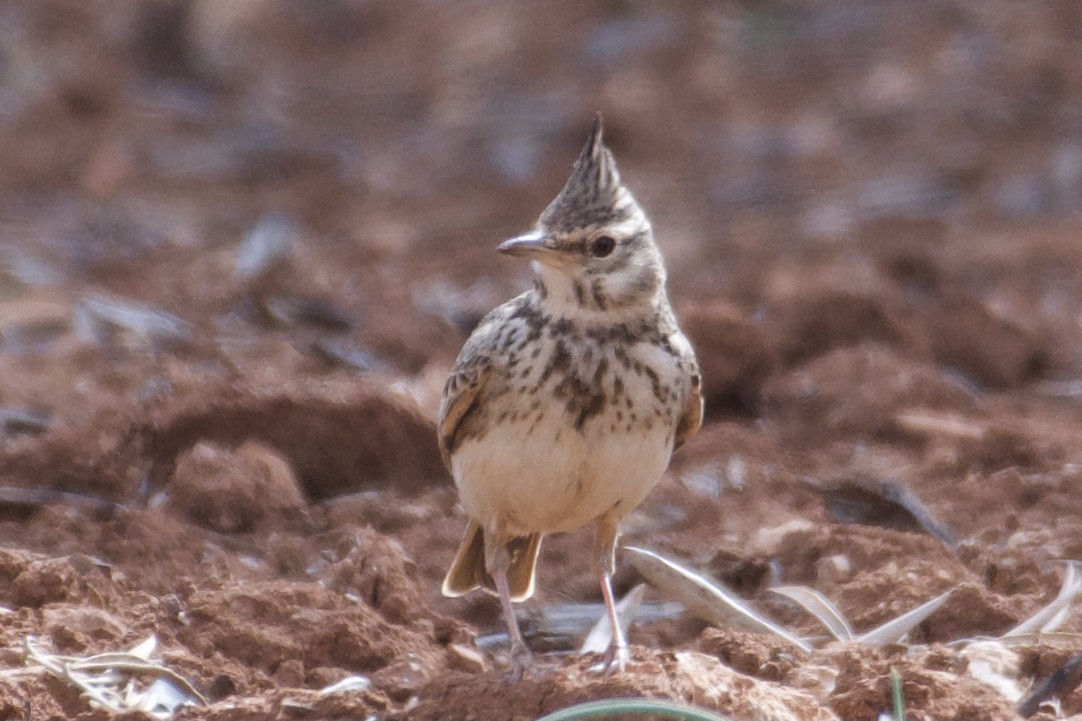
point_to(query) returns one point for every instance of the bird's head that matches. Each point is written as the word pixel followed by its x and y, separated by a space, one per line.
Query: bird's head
pixel 593 247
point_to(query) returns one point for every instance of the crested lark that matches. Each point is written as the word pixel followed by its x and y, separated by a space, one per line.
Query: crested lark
pixel 566 403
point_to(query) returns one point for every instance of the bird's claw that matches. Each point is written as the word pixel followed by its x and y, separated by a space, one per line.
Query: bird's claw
pixel 614 662
pixel 521 663
pixel 617 659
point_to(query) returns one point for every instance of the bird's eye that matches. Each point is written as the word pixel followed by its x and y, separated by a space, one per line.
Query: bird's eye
pixel 602 246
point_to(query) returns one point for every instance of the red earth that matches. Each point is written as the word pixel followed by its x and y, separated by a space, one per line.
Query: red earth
pixel 870 213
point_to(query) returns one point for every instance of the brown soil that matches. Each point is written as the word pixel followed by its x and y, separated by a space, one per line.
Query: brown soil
pixel 870 215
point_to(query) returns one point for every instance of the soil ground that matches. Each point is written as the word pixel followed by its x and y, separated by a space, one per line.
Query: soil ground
pixel 870 213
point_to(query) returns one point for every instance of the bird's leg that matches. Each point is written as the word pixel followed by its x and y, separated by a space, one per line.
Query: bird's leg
pixel 497 561
pixel 605 549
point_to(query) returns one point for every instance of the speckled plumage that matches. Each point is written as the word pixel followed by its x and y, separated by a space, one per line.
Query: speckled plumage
pixel 565 404
pixel 523 356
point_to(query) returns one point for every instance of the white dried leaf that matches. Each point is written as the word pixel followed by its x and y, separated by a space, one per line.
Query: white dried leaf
pixel 819 606
pixel 1048 618
pixel 996 666
pixel 146 648
pixel 599 638
pixel 162 699
pixel 895 629
pixel 349 683
pixel 702 597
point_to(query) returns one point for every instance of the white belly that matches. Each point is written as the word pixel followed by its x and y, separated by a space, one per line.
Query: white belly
pixel 555 478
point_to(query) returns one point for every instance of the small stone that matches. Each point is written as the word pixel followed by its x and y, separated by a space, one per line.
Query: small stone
pixel 832 570
pixel 465 658
pixel 290 673
pixel 767 540
pixel 402 679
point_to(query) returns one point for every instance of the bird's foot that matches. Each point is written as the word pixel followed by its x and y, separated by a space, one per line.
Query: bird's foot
pixel 522 663
pixel 614 661
pixel 526 667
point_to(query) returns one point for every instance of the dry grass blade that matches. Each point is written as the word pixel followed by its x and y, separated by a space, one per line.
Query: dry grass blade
pixel 819 606
pixel 98 317
pixel 940 424
pixel 1025 639
pixel 20 421
pixel 1051 616
pixel 563 626
pixel 896 628
pixel 885 502
pixel 145 649
pixel 37 497
pixel 599 638
pixel 702 597
pixel 343 354
pixel 268 244
pixel 92 688
pixel 108 679
pixel 349 683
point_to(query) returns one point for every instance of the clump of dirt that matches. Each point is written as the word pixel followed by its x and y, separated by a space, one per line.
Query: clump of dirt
pixel 293 703
pixel 972 611
pixel 859 390
pixel 863 690
pixel 235 491
pixel 33 580
pixel 814 320
pixel 338 434
pixel 684 676
pixel 375 568
pixel 266 624
pixel 764 657
pixel 989 347
pixel 733 353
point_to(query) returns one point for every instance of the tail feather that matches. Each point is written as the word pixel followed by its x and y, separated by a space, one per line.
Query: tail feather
pixel 468 570
pixel 522 574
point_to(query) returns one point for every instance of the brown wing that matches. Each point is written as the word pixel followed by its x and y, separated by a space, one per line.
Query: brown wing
pixel 466 384
pixel 691 416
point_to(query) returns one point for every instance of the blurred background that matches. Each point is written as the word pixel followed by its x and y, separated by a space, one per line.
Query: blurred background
pixel 238 239
pixel 391 145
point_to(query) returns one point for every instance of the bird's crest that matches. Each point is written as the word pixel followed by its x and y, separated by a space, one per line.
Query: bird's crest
pixel 590 195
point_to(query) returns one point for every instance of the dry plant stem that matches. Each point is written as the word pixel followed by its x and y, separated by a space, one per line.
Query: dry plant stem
pixel 949 425
pixel 38 497
pixel 1021 639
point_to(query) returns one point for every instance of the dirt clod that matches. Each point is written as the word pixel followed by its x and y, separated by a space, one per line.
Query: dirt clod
pixel 236 491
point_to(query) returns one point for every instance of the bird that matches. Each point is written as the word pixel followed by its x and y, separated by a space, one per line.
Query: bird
pixel 566 403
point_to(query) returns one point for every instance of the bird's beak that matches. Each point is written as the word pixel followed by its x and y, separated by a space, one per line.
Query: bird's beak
pixel 534 246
